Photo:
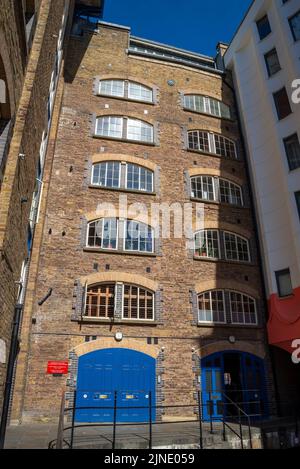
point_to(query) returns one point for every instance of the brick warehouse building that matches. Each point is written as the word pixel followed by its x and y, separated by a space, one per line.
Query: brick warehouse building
pixel 156 124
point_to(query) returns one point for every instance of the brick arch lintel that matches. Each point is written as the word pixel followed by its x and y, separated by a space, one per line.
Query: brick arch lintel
pixel 130 115
pixel 137 212
pixel 199 171
pixel 214 284
pixel 109 342
pixel 240 346
pixel 99 157
pixel 220 225
pixel 119 277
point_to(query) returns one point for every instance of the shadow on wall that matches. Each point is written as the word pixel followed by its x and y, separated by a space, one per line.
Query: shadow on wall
pixel 85 22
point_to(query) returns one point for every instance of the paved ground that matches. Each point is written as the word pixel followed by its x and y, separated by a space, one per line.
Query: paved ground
pixel 38 436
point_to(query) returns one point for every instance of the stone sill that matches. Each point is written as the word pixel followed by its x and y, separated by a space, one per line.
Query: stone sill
pixel 122 189
pixel 224 261
pixel 226 119
pixel 214 155
pixel 134 322
pixel 119 98
pixel 221 204
pixel 117 251
pixel 229 325
pixel 124 140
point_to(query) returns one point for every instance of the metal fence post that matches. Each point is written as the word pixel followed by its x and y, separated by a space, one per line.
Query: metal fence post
pixel 73 420
pixel 115 421
pixel 150 420
pixel 241 428
pixel 200 419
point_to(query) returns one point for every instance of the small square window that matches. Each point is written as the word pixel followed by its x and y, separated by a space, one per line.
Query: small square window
pixel 282 103
pixel 272 62
pixel 292 149
pixel 263 26
pixel 297 195
pixel 284 283
pixel 295 25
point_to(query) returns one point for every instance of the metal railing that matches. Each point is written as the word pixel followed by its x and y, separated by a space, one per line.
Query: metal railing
pixel 224 423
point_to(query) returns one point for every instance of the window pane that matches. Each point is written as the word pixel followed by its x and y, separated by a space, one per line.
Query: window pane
pixel 138 303
pixel 236 248
pixel 263 27
pixel 109 126
pixel 284 283
pixel 292 148
pixel 103 233
pixel 295 26
pixel 211 307
pixel 139 178
pixel 230 193
pixel 207 244
pixel 138 237
pixel 272 62
pixel 112 88
pixel 224 146
pixel 203 187
pixel 198 140
pixel 106 174
pixel 243 309
pixel 140 131
pixel 139 92
pixel 100 301
pixel 282 103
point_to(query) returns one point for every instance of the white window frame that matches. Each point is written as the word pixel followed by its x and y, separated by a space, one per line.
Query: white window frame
pixel 138 307
pixel 111 94
pixel 139 189
pixel 201 176
pixel 22 285
pixel 125 234
pixel 207 105
pixel 237 186
pixel 236 237
pixel 102 118
pixel 231 312
pixel 126 94
pixel 210 299
pixel 102 230
pixel 147 126
pixel 206 243
pixel 106 170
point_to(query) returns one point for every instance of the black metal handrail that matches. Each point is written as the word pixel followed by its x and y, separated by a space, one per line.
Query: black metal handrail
pixel 61 441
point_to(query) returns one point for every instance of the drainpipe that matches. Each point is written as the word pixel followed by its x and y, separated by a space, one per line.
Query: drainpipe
pixel 14 349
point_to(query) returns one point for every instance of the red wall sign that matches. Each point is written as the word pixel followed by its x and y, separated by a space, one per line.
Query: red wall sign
pixel 58 367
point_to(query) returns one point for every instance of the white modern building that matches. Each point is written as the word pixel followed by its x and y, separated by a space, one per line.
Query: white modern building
pixel 264 57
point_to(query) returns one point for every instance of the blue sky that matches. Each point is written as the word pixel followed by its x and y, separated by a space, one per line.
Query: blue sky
pixel 196 25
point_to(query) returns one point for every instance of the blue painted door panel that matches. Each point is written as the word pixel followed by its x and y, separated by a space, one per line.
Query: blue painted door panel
pixel 102 372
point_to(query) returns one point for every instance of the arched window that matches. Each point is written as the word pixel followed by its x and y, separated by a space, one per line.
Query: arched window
pixel 134 236
pixel 211 307
pixel 220 306
pixel 136 303
pixel 215 189
pixel 207 244
pixel 242 308
pixel 126 89
pixel 103 233
pixel 208 142
pixel 207 105
pixel 236 247
pixel 138 237
pixel 116 175
pixel 106 174
pixel 124 128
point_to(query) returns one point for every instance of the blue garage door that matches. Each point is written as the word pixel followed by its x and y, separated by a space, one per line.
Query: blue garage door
pixel 128 372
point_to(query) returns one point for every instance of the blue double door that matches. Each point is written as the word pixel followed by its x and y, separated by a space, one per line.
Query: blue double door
pixel 237 377
pixel 127 374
